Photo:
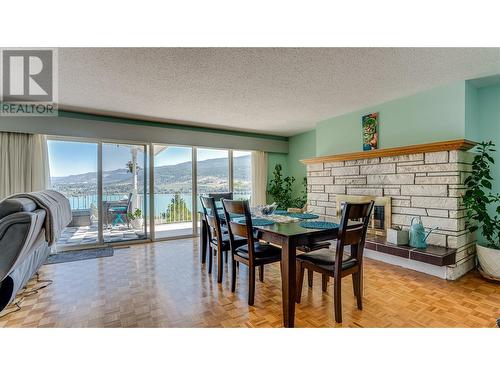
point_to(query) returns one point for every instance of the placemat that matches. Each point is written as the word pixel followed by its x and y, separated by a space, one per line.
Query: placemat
pixel 318 225
pixel 304 216
pixel 257 221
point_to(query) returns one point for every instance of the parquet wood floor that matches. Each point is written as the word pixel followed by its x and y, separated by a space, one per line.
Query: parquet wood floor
pixel 164 285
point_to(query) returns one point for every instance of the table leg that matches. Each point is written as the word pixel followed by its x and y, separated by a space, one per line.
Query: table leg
pixel 288 254
pixel 203 240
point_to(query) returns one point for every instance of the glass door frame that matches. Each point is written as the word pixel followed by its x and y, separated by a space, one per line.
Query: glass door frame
pixel 194 193
pixel 148 166
pixel 100 207
pixel 145 146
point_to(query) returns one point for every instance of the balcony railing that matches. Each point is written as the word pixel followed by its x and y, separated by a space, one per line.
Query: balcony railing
pixel 180 210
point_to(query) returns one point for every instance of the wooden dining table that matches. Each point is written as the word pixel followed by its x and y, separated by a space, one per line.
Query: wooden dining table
pixel 288 236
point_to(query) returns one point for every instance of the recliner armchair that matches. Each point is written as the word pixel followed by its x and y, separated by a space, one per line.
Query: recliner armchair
pixel 23 245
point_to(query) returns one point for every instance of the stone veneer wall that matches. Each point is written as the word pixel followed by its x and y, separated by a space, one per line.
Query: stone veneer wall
pixel 427 184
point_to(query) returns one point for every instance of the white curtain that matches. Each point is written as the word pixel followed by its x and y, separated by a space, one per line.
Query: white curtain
pixel 24 163
pixel 259 178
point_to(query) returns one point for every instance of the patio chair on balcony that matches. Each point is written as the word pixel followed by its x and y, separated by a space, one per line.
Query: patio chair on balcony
pixel 116 212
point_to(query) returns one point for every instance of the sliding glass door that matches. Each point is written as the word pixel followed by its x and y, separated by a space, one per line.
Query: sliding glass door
pixel 108 185
pixel 212 171
pixel 242 174
pixel 74 173
pixel 173 191
pixel 124 198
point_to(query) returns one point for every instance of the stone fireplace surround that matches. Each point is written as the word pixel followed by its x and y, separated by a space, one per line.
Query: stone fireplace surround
pixel 428 184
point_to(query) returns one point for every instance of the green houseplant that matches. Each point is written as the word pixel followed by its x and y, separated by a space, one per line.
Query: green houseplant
pixel 136 219
pixel 479 202
pixel 280 189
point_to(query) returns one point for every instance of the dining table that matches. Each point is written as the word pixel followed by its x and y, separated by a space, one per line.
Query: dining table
pixel 288 236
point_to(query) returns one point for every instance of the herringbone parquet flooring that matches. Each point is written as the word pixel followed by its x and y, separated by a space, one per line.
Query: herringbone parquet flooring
pixel 164 285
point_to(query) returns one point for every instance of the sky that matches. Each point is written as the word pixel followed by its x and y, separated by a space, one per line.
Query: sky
pixel 70 158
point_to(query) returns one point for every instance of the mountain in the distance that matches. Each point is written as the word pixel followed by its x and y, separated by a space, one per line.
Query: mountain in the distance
pixel 167 177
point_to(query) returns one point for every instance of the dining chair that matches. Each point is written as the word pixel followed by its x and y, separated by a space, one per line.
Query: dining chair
pixel 218 240
pixel 312 246
pixel 219 196
pixel 336 263
pixel 254 253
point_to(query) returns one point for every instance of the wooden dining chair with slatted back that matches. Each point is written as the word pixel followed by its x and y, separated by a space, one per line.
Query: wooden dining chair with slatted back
pixel 307 249
pixel 336 263
pixel 218 197
pixel 254 253
pixel 217 239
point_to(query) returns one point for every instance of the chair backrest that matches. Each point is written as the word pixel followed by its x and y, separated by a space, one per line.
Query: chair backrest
pixel 242 228
pixel 212 218
pixel 129 202
pixel 352 230
pixel 219 196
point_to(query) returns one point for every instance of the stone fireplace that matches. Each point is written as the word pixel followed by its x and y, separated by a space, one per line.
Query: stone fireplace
pixel 423 180
pixel 381 215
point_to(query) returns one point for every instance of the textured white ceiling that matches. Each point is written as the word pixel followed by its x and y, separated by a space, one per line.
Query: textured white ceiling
pixel 281 91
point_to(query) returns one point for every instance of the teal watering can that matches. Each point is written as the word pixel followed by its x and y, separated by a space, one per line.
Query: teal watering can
pixel 418 236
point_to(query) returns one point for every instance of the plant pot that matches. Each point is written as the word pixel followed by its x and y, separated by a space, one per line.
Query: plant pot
pixel 397 237
pixel 137 223
pixel 489 259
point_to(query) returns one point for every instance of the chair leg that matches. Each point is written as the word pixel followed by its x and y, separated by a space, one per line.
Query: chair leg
pixel 324 282
pixel 310 275
pixel 251 286
pixel 356 282
pixel 220 265
pixel 261 273
pixel 210 259
pixel 299 282
pixel 233 276
pixel 337 299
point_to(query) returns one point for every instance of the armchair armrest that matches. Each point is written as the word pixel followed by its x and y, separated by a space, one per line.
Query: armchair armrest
pixel 18 232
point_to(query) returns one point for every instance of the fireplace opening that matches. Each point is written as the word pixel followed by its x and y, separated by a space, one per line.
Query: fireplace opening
pixel 381 215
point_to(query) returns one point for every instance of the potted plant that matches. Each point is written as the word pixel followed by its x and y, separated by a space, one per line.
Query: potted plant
pixel 483 210
pixel 397 235
pixel 136 219
pixel 280 189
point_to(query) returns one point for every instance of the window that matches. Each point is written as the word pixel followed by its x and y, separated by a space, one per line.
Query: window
pixel 113 189
pixel 173 171
pixel 212 170
pixel 242 174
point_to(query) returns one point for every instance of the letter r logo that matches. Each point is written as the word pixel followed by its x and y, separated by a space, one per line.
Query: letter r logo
pixel 27 75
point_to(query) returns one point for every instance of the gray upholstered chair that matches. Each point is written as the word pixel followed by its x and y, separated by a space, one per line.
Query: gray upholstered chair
pixel 23 246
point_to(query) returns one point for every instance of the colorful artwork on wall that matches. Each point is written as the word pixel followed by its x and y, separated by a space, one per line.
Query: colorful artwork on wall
pixel 370 131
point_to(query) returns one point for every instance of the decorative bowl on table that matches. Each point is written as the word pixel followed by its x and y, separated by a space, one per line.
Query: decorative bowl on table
pixel 266 210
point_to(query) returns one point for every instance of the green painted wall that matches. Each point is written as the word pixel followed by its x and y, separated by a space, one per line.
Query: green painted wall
pixel 471 112
pixel 300 146
pixel 430 116
pixel 489 126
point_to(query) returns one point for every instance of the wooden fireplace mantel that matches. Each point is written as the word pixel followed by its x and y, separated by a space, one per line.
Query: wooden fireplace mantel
pixel 457 144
